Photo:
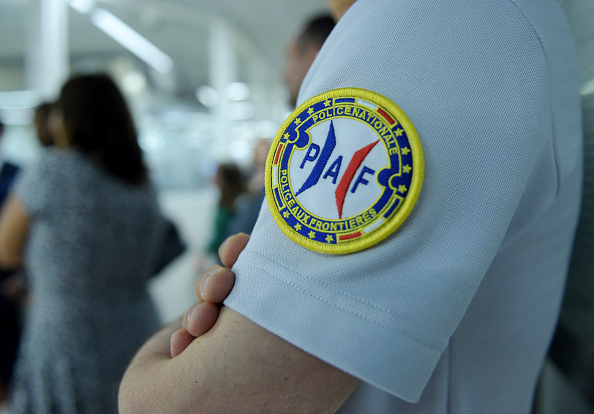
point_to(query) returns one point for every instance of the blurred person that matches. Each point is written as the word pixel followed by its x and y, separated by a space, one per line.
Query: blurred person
pixel 302 50
pixel 255 181
pixel 8 172
pixel 15 286
pixel 13 290
pixel 248 205
pixel 42 114
pixel 9 311
pixel 230 182
pixel 572 347
pixel 447 305
pixel 85 223
pixel 567 382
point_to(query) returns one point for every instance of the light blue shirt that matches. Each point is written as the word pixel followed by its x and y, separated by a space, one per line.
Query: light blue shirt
pixel 455 309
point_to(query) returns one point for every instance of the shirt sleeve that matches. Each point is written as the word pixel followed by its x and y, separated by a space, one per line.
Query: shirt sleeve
pixel 472 79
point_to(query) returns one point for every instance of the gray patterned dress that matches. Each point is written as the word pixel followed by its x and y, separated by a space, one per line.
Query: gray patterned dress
pixel 91 247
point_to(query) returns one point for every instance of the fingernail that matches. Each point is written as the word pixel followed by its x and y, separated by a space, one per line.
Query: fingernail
pixel 222 246
pixel 204 281
pixel 191 312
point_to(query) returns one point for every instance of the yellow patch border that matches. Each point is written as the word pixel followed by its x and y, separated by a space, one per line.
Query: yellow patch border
pixel 396 219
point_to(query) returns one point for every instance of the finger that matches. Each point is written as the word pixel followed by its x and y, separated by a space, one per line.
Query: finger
pixel 232 247
pixel 180 340
pixel 214 285
pixel 203 280
pixel 202 318
pixel 188 314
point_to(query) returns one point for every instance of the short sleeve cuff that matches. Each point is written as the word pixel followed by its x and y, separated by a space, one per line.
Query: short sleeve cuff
pixel 370 349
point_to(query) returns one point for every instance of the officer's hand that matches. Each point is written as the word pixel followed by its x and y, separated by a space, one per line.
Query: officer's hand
pixel 211 287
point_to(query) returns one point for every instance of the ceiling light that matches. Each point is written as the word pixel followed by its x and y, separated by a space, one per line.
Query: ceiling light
pixel 237 91
pixel 132 40
pixel 82 6
pixel 207 96
pixel 133 82
pixel 151 141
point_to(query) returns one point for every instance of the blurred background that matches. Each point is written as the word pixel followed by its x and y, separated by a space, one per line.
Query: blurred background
pixel 203 78
pixel 204 81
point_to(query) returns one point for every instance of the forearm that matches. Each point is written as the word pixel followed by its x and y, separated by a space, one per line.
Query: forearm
pixel 236 367
pixel 14 227
pixel 138 390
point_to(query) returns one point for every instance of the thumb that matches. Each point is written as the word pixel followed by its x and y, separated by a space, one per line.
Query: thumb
pixel 232 247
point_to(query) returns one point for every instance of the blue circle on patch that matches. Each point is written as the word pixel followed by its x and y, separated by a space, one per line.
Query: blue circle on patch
pixel 344 171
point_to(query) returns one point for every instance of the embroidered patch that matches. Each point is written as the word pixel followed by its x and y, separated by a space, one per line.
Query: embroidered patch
pixel 344 171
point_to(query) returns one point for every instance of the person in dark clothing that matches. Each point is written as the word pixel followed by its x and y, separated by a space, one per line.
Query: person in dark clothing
pixel 9 315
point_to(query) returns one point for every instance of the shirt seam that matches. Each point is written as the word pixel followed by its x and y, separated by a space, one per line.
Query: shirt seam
pixel 407 335
pixel 552 112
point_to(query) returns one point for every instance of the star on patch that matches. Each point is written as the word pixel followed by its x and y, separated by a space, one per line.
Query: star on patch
pixel 384 163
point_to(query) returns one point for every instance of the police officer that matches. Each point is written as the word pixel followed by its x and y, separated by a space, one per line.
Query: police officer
pixel 416 235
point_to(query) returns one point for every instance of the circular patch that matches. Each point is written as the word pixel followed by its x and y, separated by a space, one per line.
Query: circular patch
pixel 344 171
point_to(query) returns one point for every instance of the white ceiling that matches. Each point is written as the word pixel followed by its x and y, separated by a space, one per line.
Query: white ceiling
pixel 178 27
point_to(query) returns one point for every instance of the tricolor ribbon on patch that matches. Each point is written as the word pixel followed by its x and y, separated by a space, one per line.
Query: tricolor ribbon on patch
pixel 344 171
